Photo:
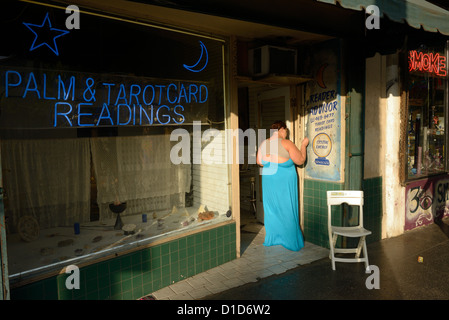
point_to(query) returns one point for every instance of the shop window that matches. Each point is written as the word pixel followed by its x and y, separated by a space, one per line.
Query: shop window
pixel 427 112
pixel 102 143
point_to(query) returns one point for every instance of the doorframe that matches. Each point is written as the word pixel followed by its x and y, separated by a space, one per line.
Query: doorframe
pixel 298 114
pixel 263 96
pixel 4 276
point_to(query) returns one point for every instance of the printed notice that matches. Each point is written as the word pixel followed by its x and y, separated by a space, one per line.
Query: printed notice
pixel 324 118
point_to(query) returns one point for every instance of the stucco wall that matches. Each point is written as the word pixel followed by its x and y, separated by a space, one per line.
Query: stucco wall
pixel 382 136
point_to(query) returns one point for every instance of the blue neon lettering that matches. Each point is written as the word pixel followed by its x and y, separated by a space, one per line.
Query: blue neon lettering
pixel 150 121
pixel 202 86
pixel 64 114
pixel 118 114
pixel 193 93
pixel 160 92
pixel 165 115
pixel 108 116
pixel 109 85
pixel 132 94
pixel 168 92
pixel 7 84
pixel 121 95
pixel 31 77
pixel 178 114
pixel 182 94
pixel 45 90
pixel 66 94
pixel 143 95
pixel 137 98
pixel 134 114
pixel 83 114
pixel 89 84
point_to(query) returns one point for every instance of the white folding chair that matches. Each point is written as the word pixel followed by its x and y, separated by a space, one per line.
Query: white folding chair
pixel 352 198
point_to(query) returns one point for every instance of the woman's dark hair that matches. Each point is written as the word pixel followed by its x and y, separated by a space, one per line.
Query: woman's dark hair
pixel 278 125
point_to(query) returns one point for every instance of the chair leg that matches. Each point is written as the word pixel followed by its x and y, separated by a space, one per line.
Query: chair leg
pixel 359 247
pixel 365 254
pixel 332 241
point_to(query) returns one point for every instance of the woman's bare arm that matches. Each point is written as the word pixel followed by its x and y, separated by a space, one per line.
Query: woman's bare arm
pixel 298 156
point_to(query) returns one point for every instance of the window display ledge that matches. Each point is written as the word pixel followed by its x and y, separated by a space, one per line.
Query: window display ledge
pixel 39 273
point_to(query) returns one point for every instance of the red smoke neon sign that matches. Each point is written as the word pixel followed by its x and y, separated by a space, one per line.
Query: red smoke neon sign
pixel 427 62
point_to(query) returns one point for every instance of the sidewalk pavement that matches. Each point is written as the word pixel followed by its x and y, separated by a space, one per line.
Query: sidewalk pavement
pixel 413 266
pixel 256 262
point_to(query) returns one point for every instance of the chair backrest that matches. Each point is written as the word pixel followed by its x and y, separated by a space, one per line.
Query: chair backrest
pixel 350 197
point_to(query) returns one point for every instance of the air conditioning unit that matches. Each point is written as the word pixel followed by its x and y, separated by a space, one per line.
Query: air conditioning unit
pixel 272 60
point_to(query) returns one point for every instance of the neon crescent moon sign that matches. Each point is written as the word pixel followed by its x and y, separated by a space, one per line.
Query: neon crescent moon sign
pixel 202 60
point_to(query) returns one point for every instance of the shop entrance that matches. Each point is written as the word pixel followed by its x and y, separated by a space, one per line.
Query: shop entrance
pixel 259 106
pixel 273 105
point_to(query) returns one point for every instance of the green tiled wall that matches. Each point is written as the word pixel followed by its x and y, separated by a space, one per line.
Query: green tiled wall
pixel 315 209
pixel 142 272
pixel 372 217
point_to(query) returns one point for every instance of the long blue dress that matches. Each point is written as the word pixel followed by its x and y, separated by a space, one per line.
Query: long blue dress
pixel 280 204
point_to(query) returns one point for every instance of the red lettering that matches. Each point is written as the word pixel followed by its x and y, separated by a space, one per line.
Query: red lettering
pixel 427 62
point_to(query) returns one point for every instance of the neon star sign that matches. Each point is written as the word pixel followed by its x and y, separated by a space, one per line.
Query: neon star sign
pixel 433 63
pixel 45 35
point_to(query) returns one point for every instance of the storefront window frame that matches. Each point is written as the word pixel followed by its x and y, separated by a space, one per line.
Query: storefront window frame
pixel 136 245
pixel 405 110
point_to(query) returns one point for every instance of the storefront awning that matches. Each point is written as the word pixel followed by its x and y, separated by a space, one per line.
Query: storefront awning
pixel 416 13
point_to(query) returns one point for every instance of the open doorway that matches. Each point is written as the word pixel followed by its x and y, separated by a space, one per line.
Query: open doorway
pixel 259 106
pixel 273 105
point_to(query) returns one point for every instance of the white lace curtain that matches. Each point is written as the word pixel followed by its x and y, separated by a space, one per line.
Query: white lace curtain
pixel 138 171
pixel 50 178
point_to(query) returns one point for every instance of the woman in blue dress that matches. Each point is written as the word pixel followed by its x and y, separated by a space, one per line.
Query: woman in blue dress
pixel 278 156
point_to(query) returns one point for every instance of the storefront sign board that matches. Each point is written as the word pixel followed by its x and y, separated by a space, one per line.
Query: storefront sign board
pixel 323 117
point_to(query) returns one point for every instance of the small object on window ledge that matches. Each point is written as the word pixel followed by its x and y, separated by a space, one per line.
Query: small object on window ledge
pixel 160 224
pixel 187 221
pixel 207 215
pixel 202 208
pixel 118 208
pixel 76 227
pixel 129 229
